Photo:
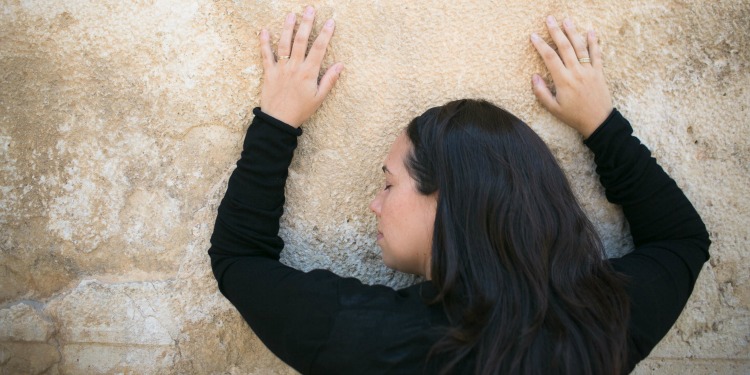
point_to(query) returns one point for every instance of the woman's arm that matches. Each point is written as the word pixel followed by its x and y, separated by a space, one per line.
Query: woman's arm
pixel 248 220
pixel 670 237
pixel 289 310
pixel 317 322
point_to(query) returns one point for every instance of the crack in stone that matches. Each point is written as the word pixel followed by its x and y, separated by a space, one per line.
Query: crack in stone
pixel 146 315
pixel 58 347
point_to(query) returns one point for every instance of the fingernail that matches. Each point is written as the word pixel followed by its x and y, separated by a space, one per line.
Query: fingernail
pixel 567 23
pixel 309 10
pixel 329 24
pixel 340 68
pixel 592 34
pixel 534 37
pixel 551 21
pixel 263 33
pixel 290 17
pixel 536 79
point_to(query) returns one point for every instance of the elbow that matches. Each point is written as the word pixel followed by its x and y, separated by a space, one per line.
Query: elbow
pixel 218 265
pixel 703 239
pixel 705 244
pixel 695 230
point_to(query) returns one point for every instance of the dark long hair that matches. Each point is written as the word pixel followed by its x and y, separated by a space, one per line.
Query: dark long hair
pixel 520 270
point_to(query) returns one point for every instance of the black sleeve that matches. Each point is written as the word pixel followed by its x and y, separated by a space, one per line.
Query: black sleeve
pixel 302 317
pixel 245 249
pixel 670 238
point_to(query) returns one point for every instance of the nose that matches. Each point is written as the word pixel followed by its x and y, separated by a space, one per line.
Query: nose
pixel 375 205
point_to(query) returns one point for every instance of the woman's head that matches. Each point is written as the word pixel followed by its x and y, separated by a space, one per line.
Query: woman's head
pixel 499 187
pixel 486 165
pixel 406 217
pixel 514 258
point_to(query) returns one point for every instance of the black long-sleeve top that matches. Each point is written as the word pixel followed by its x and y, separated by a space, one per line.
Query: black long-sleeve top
pixel 321 323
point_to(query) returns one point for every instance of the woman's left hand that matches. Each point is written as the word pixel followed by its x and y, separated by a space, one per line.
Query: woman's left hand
pixel 291 92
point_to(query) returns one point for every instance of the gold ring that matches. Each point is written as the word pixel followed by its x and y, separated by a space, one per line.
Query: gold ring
pixel 283 57
pixel 584 60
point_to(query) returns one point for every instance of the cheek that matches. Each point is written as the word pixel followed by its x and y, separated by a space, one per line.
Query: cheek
pixel 410 215
pixel 408 221
pixel 395 224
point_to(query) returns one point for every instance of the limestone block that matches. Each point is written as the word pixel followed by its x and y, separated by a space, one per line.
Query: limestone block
pixel 93 358
pixel 129 313
pixel 22 322
pixel 156 327
pixel 99 176
pixel 221 342
pixel 28 358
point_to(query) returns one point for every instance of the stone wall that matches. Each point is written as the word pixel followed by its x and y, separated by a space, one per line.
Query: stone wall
pixel 120 122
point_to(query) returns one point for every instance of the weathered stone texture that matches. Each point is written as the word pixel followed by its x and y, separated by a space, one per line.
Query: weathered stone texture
pixel 28 358
pixel 121 121
pixel 23 323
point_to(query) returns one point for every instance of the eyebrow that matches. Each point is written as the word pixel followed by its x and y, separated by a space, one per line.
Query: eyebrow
pixel 385 170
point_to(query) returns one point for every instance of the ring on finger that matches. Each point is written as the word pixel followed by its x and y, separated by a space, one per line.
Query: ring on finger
pixel 584 60
pixel 283 57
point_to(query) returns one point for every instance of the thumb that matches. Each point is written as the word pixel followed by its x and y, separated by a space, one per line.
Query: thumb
pixel 329 80
pixel 542 93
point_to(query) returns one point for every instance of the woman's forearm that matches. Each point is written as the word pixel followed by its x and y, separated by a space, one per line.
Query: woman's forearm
pixel 248 219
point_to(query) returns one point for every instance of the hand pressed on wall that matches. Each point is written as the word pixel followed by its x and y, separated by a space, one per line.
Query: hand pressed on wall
pixel 291 91
pixel 582 99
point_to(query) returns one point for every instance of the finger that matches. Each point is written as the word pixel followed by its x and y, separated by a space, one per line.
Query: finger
pixel 576 40
pixel 303 34
pixel 564 48
pixel 265 50
pixel 542 93
pixel 318 49
pixel 329 80
pixel 550 57
pixel 285 42
pixel 594 51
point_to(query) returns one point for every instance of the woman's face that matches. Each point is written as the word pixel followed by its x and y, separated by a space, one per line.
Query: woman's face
pixel 406 218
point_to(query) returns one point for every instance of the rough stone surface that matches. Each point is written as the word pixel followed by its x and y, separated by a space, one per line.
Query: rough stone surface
pixel 29 358
pixel 23 323
pixel 120 123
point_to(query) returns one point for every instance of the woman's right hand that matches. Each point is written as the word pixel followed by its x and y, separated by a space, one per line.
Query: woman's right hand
pixel 582 99
pixel 291 92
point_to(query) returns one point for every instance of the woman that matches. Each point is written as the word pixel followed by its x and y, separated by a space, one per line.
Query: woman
pixel 475 202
